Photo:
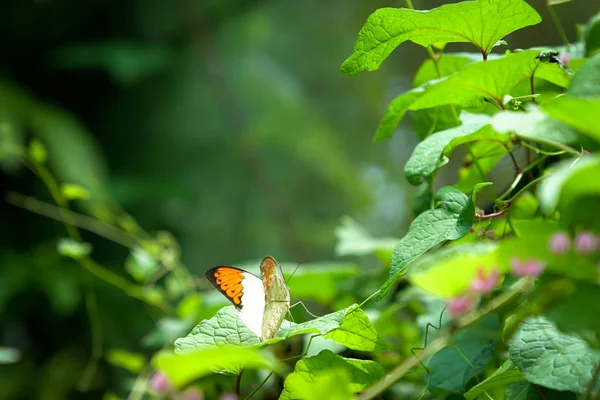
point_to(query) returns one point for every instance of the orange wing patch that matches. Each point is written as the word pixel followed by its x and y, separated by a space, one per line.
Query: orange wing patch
pixel 229 281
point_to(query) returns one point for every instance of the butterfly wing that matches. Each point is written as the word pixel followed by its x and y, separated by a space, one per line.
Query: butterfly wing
pixel 244 290
pixel 277 298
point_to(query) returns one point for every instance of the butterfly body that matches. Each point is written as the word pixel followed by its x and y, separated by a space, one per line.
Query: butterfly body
pixel 261 303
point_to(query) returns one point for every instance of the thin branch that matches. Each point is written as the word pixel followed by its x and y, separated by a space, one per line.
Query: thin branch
pixel 81 221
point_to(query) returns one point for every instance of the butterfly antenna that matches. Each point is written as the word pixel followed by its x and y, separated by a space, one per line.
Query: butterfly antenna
pixel 287 281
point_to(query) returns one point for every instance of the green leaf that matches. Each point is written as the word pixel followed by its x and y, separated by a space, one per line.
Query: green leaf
pixel 8 355
pixel 140 264
pixel 356 332
pixel 449 271
pixel 71 191
pixel 552 359
pixel 536 126
pixel 507 373
pixel 361 374
pixel 226 328
pixel 394 113
pixel 568 180
pixel 429 229
pixel 591 35
pixel 185 368
pixel 586 82
pixel 481 22
pixel 580 113
pixel 333 384
pixel 446 65
pixel 451 199
pixel 425 122
pixel 73 249
pixel 472 349
pixel 573 313
pixel 521 391
pixel 37 151
pixel 482 157
pixel 555 2
pixel 492 79
pixel 132 362
pixel 430 154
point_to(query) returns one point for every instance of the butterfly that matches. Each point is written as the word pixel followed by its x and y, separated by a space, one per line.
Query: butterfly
pixel 261 302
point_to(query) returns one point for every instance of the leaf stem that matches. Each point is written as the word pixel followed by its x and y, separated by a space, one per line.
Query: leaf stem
pixel 558 25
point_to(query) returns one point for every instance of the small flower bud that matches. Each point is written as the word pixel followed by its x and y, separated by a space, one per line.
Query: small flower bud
pixel 529 267
pixel 160 383
pixel 585 243
pixel 484 283
pixel 461 305
pixel 559 243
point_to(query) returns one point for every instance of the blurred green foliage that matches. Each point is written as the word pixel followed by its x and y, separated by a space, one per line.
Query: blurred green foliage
pixel 226 131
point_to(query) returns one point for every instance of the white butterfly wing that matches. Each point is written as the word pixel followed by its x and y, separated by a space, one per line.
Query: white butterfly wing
pixel 253 303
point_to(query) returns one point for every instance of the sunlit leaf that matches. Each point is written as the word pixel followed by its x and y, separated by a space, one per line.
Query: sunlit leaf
pixel 185 368
pixel 361 374
pixel 449 272
pixel 481 22
pixel 71 191
pixel 226 328
pixel 578 113
pixel 133 362
pixel 73 249
pixel 37 151
pixel 568 180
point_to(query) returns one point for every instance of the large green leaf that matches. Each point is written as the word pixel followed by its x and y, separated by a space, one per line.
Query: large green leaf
pixel 580 113
pixel 481 22
pixel 430 154
pixel 491 79
pixel 361 374
pixel 467 356
pixel 395 111
pixel 573 313
pixel 568 180
pixel 227 329
pixel 586 81
pixel 552 359
pixel 521 391
pixel 429 229
pixel 536 126
pixel 504 375
pixel 185 368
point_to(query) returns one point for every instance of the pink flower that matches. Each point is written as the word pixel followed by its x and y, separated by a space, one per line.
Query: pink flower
pixel 461 305
pixel 160 383
pixel 228 396
pixel 485 283
pixel 585 243
pixel 193 394
pixel 530 267
pixel 564 58
pixel 559 243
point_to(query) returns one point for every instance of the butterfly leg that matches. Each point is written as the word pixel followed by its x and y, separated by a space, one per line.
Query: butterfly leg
pixel 305 309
